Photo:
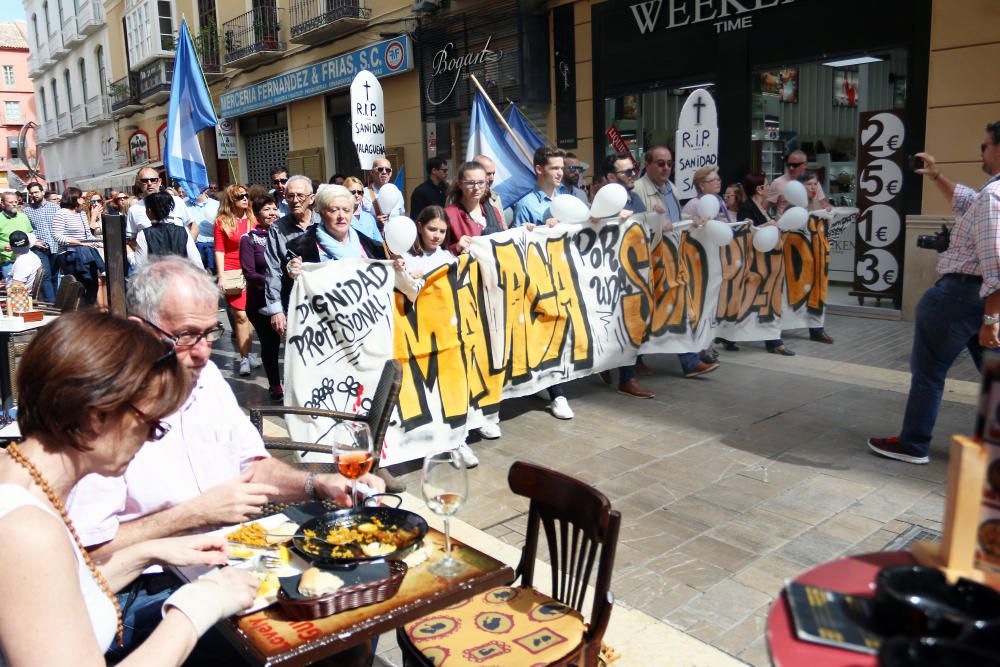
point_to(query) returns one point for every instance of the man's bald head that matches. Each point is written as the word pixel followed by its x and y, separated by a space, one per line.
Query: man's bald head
pixel 489 166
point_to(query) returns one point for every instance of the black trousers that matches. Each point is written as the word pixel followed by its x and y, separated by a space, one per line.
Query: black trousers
pixel 270 343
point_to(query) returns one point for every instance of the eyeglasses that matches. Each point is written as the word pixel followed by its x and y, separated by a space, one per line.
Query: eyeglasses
pixel 794 165
pixel 664 163
pixel 295 196
pixel 188 339
pixel 577 168
pixel 242 196
pixel 474 184
pixel 279 181
pixel 157 427
pixel 150 180
pixel 357 193
pixel 384 170
pixel 713 179
pixel 626 172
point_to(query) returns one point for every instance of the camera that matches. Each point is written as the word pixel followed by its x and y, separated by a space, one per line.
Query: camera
pixel 938 242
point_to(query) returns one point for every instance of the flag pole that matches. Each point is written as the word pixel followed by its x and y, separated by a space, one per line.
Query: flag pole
pixel 201 70
pixel 503 121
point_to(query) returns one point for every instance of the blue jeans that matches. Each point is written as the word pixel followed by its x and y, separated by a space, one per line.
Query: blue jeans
pixel 207 251
pixel 948 319
pixel 50 281
pixel 140 619
pixel 689 361
pixel 6 269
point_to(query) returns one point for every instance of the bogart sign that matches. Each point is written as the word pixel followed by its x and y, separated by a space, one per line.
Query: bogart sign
pixel 725 15
pixel 447 67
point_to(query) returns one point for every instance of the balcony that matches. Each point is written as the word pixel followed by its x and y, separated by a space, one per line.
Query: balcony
pixel 62 124
pixel 125 95
pixel 253 38
pixel 97 111
pixel 318 21
pixel 56 47
pixel 209 52
pixel 77 120
pixel 38 60
pixel 43 133
pixel 89 17
pixel 70 35
pixel 154 81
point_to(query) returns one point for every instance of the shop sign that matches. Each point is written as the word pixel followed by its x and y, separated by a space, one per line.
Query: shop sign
pixel 225 139
pixel 617 142
pixel 878 243
pixel 138 148
pixel 696 141
pixel 161 140
pixel 448 65
pixel 564 43
pixel 725 15
pixel 367 119
pixel 387 58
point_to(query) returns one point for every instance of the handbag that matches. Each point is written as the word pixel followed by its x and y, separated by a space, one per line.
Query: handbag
pixel 233 282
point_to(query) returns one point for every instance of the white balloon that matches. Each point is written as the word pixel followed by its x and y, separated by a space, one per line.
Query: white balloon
pixel 794 219
pixel 569 209
pixel 400 233
pixel 708 207
pixel 389 197
pixel 719 233
pixel 765 239
pixel 609 201
pixel 795 194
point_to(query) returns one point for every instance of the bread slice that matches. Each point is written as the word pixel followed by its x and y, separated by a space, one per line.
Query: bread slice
pixel 317 583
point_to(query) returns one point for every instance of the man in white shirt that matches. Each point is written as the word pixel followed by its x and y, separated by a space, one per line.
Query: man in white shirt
pixel 26 263
pixel 381 174
pixel 148 182
pixel 797 163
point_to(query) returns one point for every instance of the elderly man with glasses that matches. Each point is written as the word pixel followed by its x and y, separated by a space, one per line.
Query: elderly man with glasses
pixel 381 174
pixel 148 181
pixel 210 468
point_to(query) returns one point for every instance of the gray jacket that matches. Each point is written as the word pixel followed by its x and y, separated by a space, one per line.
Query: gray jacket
pixel 277 283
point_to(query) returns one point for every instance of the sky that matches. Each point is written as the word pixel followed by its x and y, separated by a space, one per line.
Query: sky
pixel 11 10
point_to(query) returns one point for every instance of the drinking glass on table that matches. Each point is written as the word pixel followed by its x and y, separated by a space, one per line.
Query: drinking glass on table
pixel 352 452
pixel 445 484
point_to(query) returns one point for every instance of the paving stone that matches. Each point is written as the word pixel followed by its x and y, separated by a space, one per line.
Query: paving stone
pixel 814 547
pixel 758 531
pixel 720 554
pixel 743 634
pixel 727 603
pixel 768 574
pixel 680 567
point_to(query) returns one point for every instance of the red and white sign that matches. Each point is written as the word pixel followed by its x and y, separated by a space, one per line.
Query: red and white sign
pixel 618 143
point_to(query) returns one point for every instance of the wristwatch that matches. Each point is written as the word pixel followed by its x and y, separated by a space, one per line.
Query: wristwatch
pixel 990 320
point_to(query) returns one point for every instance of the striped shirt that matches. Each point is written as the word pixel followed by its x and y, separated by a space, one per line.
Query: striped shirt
pixel 42 219
pixel 974 248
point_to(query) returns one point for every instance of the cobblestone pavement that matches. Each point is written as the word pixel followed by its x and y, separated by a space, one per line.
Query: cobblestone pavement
pixel 731 483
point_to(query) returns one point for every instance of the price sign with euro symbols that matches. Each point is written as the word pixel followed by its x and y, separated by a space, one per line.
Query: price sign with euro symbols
pixel 878 270
pixel 881 181
pixel 879 225
pixel 883 135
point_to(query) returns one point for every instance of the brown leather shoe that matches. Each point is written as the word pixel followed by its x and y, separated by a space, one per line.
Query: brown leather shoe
pixel 701 369
pixel 633 388
pixel 823 337
pixel 605 377
pixel 643 369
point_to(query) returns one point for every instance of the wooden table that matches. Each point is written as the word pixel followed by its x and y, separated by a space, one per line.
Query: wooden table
pixel 854 575
pixel 267 638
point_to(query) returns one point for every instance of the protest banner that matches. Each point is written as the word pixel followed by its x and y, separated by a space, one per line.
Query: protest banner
pixel 526 310
pixel 367 118
pixel 696 141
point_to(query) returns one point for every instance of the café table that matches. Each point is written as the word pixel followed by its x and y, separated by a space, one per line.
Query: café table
pixel 267 637
pixel 10 326
pixel 854 575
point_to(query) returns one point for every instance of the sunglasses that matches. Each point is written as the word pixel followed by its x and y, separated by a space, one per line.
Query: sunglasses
pixel 357 193
pixel 575 168
pixel 95 201
pixel 150 180
pixel 279 181
pixel 384 170
pixel 626 172
pixel 242 196
pixel 794 165
pixel 121 198
pixel 664 163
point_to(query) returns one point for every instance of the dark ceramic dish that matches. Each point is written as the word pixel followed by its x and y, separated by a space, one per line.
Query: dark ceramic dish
pixel 919 602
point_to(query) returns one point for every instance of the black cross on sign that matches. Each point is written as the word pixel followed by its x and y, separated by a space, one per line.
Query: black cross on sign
pixel 697 110
pixel 367 86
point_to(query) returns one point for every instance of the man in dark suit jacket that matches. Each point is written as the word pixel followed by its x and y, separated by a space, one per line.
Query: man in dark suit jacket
pixel 433 190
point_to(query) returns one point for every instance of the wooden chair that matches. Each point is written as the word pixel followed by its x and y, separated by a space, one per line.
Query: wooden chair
pixel 36 284
pixel 383 402
pixel 578 521
pixel 68 297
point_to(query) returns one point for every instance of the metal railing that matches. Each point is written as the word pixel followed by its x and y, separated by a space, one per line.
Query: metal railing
pixel 124 92
pixel 155 77
pixel 97 109
pixel 257 30
pixel 209 49
pixel 308 15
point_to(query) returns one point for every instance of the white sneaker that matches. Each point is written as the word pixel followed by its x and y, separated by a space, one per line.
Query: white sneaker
pixel 255 361
pixel 244 367
pixel 560 408
pixel 490 431
pixel 471 461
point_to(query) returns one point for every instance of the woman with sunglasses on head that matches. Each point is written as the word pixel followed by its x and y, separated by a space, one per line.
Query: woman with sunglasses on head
pixel 363 221
pixel 254 264
pixel 469 210
pixel 87 408
pixel 235 219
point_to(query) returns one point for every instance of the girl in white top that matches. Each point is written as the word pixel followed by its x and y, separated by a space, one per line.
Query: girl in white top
pixel 87 407
pixel 428 252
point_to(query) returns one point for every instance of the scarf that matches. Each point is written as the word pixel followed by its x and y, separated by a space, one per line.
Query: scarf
pixel 334 249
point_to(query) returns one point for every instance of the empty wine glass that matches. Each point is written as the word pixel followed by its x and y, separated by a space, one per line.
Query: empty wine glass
pixel 445 484
pixel 352 452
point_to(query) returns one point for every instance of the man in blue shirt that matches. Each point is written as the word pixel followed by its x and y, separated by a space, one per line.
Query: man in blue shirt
pixel 533 208
pixel 204 210
pixel 41 213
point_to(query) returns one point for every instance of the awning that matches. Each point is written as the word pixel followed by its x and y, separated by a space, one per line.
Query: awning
pixel 120 179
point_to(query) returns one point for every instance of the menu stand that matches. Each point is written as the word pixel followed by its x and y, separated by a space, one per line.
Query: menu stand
pixel 955 555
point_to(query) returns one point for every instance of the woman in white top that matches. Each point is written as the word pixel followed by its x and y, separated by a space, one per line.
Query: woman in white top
pixel 93 389
pixel 428 251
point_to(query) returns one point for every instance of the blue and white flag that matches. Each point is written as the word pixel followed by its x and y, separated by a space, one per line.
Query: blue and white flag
pixel 529 138
pixel 189 113
pixel 515 176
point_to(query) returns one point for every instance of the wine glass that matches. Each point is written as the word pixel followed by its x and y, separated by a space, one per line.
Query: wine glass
pixel 445 484
pixel 352 452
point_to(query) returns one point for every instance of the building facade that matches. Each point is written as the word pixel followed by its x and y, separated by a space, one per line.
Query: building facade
pixel 17 106
pixel 68 66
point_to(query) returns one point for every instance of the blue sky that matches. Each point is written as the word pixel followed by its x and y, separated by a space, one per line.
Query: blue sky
pixel 11 10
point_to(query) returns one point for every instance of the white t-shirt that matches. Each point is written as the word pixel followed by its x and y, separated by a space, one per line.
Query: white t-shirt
pixel 137 218
pixel 427 262
pixel 25 266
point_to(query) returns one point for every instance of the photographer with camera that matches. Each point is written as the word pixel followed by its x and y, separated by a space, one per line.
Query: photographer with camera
pixel 962 309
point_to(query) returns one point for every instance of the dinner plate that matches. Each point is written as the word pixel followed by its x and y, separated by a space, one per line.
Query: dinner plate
pixel 390 517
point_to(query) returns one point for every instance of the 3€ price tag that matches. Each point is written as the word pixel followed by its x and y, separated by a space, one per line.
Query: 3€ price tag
pixel 367 118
